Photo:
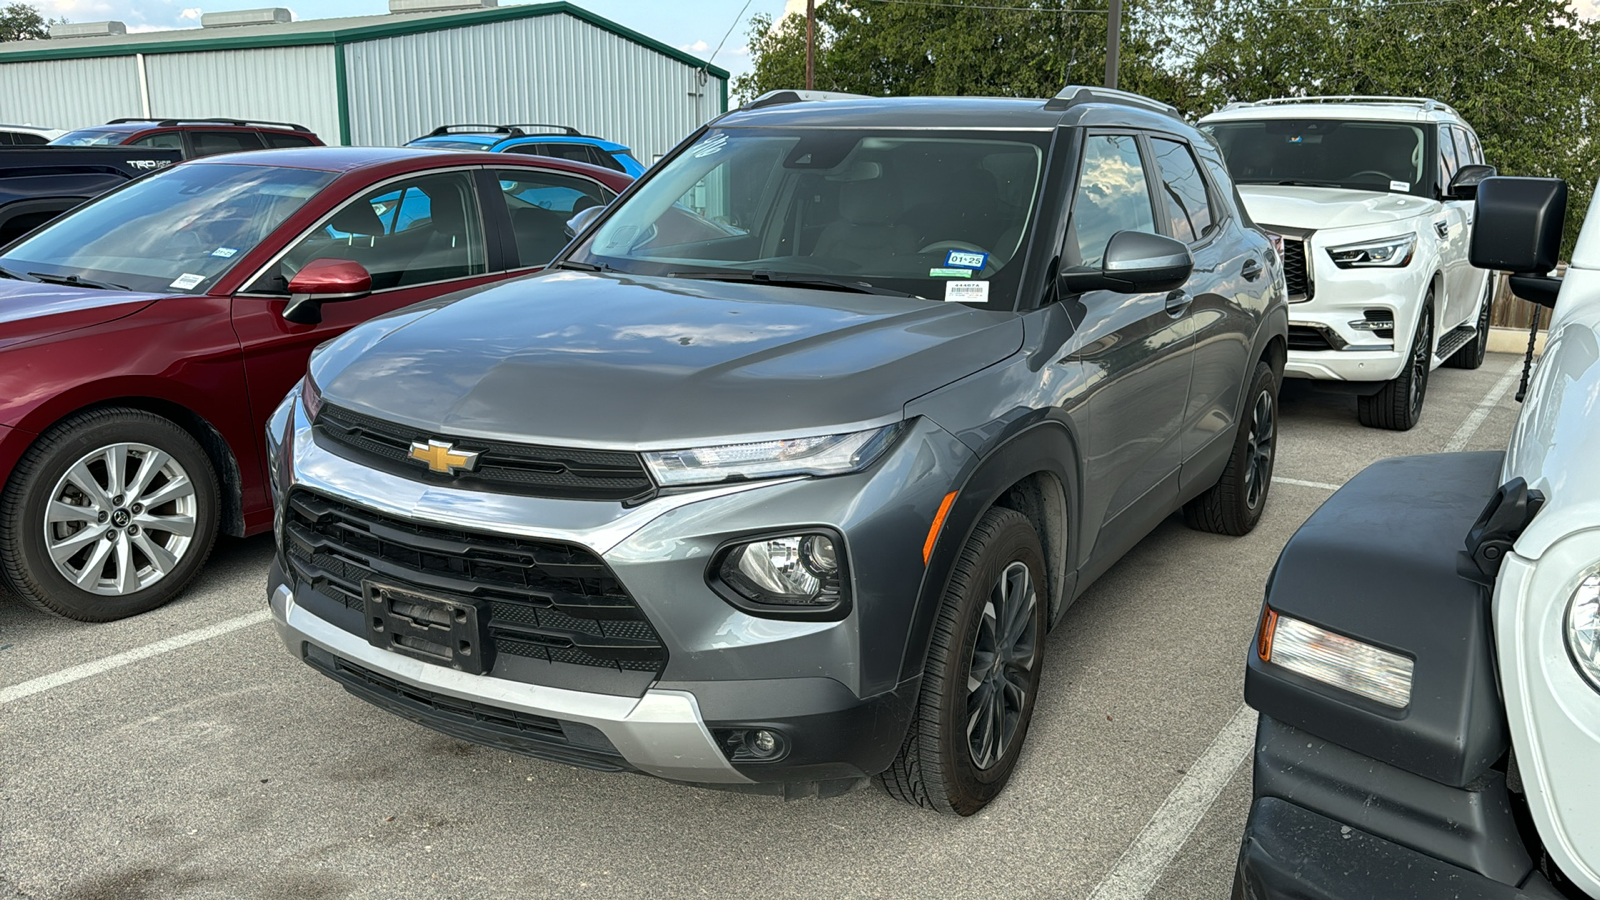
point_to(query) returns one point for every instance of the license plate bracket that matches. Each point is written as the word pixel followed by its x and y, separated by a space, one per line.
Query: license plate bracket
pixel 443 630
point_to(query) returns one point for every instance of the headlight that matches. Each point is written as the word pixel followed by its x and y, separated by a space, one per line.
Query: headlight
pixel 791 574
pixel 833 454
pixel 1333 659
pixel 310 397
pixel 1583 629
pixel 1392 252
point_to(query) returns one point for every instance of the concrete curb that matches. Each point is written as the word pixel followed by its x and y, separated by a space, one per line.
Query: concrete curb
pixel 1512 340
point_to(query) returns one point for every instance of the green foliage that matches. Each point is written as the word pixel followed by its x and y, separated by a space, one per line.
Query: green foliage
pixel 21 22
pixel 1524 73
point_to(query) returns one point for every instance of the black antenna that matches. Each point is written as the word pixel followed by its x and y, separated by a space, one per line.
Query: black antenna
pixel 1527 359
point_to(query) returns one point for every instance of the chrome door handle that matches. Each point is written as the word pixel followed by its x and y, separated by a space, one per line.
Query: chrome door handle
pixel 1251 270
pixel 1443 228
pixel 1178 302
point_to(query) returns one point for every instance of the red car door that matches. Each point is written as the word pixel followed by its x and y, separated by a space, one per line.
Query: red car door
pixel 419 235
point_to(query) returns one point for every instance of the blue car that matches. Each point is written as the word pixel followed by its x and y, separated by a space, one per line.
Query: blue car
pixel 558 141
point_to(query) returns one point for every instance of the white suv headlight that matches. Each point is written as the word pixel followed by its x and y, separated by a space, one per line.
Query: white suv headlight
pixel 1583 629
pixel 832 454
pixel 1391 252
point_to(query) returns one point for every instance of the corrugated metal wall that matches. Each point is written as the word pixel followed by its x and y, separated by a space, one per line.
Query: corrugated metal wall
pixel 277 84
pixel 69 93
pixel 555 69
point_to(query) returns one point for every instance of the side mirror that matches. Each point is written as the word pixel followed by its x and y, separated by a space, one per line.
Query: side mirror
pixel 1464 186
pixel 579 222
pixel 1135 262
pixel 1518 230
pixel 324 281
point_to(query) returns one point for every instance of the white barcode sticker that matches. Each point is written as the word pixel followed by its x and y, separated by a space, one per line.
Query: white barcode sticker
pixel 966 291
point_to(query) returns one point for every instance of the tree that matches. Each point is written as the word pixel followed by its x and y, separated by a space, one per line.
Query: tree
pixel 21 22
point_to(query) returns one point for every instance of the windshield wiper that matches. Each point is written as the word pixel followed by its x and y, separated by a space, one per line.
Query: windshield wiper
pixel 7 273
pixel 822 282
pixel 79 281
pixel 579 266
pixel 1326 184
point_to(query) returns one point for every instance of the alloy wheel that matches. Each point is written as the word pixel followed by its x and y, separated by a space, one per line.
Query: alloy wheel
pixel 1003 657
pixel 120 519
pixel 1421 355
pixel 1259 444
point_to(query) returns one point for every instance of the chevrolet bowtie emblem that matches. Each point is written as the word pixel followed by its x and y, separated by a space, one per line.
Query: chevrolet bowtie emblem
pixel 443 458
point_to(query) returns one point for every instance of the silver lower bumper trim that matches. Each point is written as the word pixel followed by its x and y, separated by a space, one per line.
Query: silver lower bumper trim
pixel 660 733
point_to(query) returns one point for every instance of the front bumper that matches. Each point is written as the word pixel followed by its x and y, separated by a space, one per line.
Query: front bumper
pixel 833 690
pixel 1327 823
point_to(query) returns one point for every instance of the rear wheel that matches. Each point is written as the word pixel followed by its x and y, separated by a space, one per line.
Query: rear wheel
pixel 1234 504
pixel 982 674
pixel 110 513
pixel 1470 356
pixel 1398 405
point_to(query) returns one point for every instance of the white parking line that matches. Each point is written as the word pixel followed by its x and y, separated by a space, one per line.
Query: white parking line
pixel 1277 479
pixel 1490 401
pixel 89 669
pixel 1142 864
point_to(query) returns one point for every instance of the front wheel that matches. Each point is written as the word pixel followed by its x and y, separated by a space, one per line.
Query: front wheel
pixel 1471 355
pixel 982 673
pixel 109 514
pixel 1234 504
pixel 1398 404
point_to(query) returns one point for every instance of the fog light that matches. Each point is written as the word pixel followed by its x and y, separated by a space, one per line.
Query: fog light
pixel 800 571
pixel 764 743
pixel 1336 660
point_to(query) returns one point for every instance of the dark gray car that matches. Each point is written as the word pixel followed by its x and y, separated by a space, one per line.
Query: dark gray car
pixel 778 478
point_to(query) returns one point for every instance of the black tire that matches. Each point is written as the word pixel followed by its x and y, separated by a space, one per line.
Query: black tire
pixel 159 558
pixel 1398 405
pixel 1471 354
pixel 1234 504
pixel 937 767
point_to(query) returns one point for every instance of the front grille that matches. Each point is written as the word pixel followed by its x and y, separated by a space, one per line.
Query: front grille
pixel 572 743
pixel 526 469
pixel 1306 337
pixel 547 600
pixel 1295 272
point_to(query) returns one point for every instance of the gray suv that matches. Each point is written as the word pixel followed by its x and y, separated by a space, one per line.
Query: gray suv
pixel 781 473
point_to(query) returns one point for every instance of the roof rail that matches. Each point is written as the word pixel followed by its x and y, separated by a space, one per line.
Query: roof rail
pixel 776 98
pixel 475 128
pixel 1074 94
pixel 241 123
pixel 567 130
pixel 1424 103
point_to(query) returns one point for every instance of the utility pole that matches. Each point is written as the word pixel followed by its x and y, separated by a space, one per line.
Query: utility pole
pixel 811 43
pixel 1113 42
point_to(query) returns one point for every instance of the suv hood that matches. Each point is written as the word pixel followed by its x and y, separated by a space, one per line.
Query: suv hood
pixel 30 310
pixel 625 361
pixel 1314 208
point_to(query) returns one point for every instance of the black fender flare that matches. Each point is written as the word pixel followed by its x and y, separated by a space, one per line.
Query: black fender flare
pixel 1047 446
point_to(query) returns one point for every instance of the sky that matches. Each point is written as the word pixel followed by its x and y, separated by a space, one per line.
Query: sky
pixel 696 26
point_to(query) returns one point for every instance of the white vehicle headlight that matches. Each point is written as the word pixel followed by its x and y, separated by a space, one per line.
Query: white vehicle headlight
pixel 1392 252
pixel 832 454
pixel 1583 629
pixel 1336 660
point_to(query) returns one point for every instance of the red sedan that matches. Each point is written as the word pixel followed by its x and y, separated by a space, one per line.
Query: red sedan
pixel 146 336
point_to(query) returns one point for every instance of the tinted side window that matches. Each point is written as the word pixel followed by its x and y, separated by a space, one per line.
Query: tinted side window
pixel 5 138
pixel 1447 156
pixel 1477 149
pixel 279 139
pixel 1112 196
pixel 1184 191
pixel 574 152
pixel 209 143
pixel 609 161
pixel 164 140
pixel 540 203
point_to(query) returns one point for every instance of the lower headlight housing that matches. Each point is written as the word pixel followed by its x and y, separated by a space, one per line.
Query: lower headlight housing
pixel 1583 629
pixel 1336 660
pixel 1383 253
pixel 797 575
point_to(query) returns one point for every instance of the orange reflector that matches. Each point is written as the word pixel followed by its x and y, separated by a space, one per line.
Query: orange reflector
pixel 1269 625
pixel 938 523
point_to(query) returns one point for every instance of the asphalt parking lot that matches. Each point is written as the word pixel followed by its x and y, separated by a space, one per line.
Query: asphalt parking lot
pixel 183 753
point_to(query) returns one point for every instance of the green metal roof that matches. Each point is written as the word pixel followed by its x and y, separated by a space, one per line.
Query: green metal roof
pixel 324 31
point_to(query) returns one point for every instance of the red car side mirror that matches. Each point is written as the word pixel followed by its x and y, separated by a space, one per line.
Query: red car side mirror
pixel 324 281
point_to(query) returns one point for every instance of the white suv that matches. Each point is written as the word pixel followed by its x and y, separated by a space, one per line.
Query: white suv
pixel 1373 199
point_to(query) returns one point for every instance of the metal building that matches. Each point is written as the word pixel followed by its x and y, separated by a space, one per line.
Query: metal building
pixel 374 79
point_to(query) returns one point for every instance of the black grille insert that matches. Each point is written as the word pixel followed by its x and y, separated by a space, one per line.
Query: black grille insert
pixel 562 472
pixel 1306 337
pixel 548 600
pixel 1295 271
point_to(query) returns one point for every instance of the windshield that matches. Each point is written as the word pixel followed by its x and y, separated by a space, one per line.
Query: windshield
pixel 1362 155
pixel 176 230
pixel 934 216
pixel 90 137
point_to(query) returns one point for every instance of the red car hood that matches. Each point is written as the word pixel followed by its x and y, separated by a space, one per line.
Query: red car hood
pixel 29 310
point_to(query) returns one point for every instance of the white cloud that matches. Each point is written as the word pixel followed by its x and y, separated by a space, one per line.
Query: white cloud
pixel 696 47
pixel 192 13
pixel 1589 9
pixel 794 8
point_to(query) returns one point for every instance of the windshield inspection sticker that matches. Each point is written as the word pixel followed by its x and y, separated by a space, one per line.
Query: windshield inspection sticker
pixel 1399 186
pixel 949 273
pixel 966 292
pixel 966 259
pixel 225 252
pixel 186 281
